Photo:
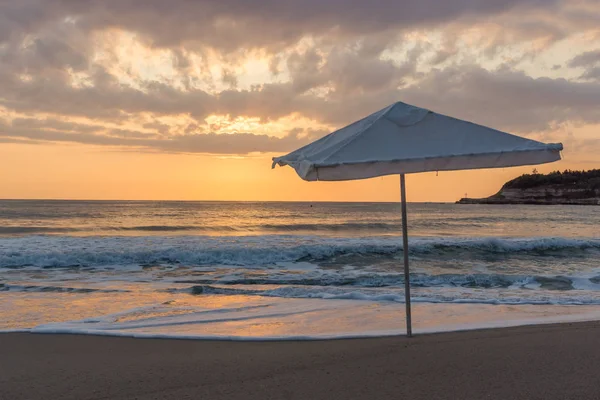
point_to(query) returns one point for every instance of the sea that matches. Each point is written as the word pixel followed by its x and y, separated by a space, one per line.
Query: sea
pixel 284 270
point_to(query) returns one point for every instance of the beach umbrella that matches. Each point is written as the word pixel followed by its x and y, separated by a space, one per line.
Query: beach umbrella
pixel 403 139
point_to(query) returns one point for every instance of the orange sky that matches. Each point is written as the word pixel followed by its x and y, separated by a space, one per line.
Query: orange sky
pixel 87 172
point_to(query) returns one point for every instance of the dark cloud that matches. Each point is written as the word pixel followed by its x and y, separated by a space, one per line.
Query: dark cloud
pixel 131 134
pixel 506 99
pixel 590 61
pixel 34 131
pixel 349 72
pixel 228 24
pixel 159 127
pixel 105 100
pixel 50 123
pixel 229 78
pixel 592 74
pixel 586 59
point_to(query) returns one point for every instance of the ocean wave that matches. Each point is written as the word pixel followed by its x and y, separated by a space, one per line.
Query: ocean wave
pixel 380 280
pixel 389 227
pixel 352 227
pixel 32 230
pixel 369 280
pixel 258 251
pixel 55 289
pixel 172 228
pixel 340 293
pixel 257 228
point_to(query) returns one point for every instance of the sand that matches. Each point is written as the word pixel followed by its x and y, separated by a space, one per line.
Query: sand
pixel 536 362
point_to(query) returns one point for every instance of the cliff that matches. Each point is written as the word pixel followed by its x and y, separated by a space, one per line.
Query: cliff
pixel 568 187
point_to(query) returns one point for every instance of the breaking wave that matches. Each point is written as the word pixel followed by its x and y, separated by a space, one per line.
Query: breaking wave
pixel 49 251
pixel 383 280
pixel 397 295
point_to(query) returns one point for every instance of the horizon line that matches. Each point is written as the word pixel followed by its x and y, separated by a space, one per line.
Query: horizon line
pixel 224 201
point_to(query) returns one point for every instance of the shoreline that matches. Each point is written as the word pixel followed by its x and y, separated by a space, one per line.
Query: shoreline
pixel 440 330
pixel 299 339
pixel 552 361
pixel 344 319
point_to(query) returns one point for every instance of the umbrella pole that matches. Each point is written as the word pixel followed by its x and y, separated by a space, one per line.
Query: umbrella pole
pixel 405 251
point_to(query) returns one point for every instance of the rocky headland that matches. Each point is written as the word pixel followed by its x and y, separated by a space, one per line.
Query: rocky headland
pixel 568 187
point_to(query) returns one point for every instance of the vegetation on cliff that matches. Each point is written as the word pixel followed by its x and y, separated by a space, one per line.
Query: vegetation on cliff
pixel 581 180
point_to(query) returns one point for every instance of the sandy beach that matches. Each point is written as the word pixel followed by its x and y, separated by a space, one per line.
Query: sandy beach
pixel 534 362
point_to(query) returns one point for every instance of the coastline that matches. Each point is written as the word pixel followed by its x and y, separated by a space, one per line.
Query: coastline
pixel 555 188
pixel 494 201
pixel 535 362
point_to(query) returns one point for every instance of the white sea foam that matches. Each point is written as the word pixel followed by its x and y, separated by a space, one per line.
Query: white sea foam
pixel 49 251
pixel 310 319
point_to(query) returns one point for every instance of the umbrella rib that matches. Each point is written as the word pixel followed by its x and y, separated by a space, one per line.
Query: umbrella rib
pixel 357 134
pixel 499 153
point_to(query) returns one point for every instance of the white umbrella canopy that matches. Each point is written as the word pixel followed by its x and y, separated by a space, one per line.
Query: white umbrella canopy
pixel 402 139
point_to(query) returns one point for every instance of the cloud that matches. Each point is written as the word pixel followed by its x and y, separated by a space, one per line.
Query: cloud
pixel 590 61
pixel 504 99
pixel 589 58
pixel 36 131
pixel 106 99
pixel 507 99
pixel 328 62
pixel 65 126
pixel 229 24
pixel 592 73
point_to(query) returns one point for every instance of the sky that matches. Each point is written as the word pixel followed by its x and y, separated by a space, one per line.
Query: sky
pixel 190 100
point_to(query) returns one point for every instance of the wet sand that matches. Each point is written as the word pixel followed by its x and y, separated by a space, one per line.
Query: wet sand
pixel 536 362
